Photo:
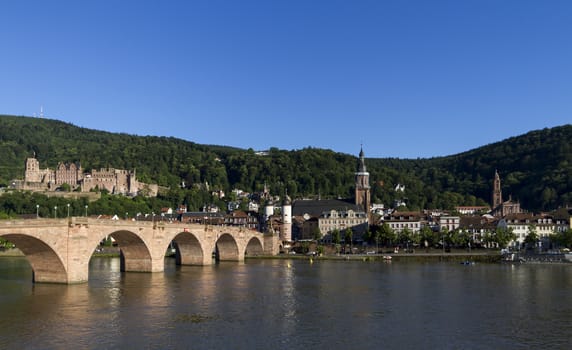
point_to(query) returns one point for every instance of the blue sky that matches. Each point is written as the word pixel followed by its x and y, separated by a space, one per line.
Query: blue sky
pixel 407 79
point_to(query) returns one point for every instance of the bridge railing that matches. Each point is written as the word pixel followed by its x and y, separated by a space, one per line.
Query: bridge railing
pixel 34 222
pixel 87 221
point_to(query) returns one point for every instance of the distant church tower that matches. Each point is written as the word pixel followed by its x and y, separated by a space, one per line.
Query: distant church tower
pixel 497 193
pixel 362 184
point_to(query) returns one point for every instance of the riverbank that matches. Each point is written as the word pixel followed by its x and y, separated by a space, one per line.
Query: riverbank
pixel 483 257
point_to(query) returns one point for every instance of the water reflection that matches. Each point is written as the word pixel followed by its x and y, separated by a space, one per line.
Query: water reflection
pixel 290 304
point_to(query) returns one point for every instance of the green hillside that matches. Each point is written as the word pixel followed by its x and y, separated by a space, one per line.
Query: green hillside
pixel 536 168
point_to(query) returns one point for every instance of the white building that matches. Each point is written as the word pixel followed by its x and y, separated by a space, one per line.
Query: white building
pixel 521 225
pixel 449 222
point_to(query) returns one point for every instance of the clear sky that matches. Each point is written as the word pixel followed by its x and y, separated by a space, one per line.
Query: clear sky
pixel 406 78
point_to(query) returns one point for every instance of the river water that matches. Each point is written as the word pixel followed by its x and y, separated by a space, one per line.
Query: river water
pixel 282 304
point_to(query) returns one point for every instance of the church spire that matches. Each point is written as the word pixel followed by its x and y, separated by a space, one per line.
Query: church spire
pixel 362 189
pixel 361 162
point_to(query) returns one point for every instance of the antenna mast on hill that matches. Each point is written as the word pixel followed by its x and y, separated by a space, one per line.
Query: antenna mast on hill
pixel 41 111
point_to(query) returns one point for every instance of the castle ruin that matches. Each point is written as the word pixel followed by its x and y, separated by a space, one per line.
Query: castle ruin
pixel 115 181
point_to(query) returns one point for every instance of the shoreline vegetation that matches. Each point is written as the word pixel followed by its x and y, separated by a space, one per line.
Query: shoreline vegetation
pixel 432 256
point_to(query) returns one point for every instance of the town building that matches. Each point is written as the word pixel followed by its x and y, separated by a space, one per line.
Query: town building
pixel 523 224
pixel 327 215
pixel 401 220
pixel 479 227
pixel 241 219
pixel 449 222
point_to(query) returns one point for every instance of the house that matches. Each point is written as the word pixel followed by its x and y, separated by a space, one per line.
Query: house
pixel 449 222
pixel 478 227
pixel 242 219
pixel 401 220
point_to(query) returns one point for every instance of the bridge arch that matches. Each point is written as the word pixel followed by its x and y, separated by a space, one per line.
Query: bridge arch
pixel 254 247
pixel 135 255
pixel 47 266
pixel 189 250
pixel 227 248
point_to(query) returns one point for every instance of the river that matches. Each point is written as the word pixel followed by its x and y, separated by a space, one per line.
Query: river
pixel 282 304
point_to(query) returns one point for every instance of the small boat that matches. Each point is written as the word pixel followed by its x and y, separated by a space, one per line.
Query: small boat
pixel 467 262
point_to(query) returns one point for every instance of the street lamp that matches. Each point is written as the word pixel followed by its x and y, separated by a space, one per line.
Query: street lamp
pixel 86 210
pixel 68 210
pixel 37 211
pixel 55 211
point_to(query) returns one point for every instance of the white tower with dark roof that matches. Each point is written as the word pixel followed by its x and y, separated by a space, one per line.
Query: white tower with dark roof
pixel 286 219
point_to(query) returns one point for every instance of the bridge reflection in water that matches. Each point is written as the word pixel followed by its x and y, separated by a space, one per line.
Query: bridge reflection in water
pixel 59 250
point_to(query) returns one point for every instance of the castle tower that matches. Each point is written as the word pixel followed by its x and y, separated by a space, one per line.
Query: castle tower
pixel 286 219
pixel 32 170
pixel 497 193
pixel 362 185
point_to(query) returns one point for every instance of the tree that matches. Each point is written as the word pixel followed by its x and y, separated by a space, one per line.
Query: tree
pixel 503 236
pixel 426 234
pixel 348 235
pixel 65 187
pixel 563 239
pixel 367 236
pixel 531 238
pixel 445 237
pixel 336 237
pixel 464 239
pixel 386 235
pixel 316 233
pixel 487 239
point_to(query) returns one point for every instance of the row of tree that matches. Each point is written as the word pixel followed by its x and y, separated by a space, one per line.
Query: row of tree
pixel 385 236
pixel 28 204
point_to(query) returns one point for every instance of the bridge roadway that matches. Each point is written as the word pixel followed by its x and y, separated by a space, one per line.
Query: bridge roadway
pixel 59 250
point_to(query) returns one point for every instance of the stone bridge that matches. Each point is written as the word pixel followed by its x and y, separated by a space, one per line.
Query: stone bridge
pixel 59 250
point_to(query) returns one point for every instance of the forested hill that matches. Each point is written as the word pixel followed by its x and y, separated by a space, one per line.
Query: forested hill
pixel 536 168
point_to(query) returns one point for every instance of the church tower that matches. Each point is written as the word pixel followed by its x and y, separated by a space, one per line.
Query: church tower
pixel 362 184
pixel 497 193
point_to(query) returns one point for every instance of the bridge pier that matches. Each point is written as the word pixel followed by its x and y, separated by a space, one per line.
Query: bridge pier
pixel 197 260
pixel 136 264
pixel 191 253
